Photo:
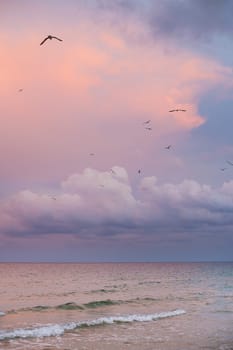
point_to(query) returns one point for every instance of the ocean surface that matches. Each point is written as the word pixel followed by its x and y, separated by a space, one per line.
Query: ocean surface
pixel 134 306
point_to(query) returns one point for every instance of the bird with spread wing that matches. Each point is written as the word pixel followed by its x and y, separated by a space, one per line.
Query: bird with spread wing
pixel 177 110
pixel 168 147
pixel 50 37
pixel 229 162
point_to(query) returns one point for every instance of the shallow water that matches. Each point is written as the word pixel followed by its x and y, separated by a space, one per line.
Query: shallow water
pixel 116 306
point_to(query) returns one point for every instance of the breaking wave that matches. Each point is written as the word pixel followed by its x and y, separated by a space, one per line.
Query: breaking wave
pixel 57 330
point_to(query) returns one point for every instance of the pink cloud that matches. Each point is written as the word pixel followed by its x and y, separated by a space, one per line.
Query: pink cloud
pixel 93 89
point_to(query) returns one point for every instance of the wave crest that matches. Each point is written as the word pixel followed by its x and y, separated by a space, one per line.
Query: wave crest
pixel 56 329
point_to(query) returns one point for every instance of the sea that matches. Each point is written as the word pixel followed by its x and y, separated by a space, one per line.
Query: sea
pixel 116 306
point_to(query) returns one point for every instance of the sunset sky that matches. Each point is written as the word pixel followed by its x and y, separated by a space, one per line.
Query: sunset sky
pixel 73 139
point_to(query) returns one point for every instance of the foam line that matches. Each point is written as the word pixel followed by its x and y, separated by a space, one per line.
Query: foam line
pixel 56 329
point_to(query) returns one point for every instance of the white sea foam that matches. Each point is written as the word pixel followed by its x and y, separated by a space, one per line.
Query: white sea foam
pixel 2 313
pixel 56 329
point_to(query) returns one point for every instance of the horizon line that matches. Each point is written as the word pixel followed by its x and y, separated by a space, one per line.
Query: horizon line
pixel 119 262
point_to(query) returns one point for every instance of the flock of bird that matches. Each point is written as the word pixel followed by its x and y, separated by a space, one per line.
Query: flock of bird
pixel 146 123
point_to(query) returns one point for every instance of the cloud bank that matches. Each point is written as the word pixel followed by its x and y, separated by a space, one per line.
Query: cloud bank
pixel 104 204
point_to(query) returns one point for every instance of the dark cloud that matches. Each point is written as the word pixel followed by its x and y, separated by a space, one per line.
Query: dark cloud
pixel 198 20
pixel 195 19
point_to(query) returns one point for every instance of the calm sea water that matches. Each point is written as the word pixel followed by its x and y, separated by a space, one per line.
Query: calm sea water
pixel 173 306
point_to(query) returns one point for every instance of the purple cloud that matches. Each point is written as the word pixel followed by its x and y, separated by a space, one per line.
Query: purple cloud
pixel 104 204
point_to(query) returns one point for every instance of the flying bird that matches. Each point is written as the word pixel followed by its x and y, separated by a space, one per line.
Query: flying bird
pixel 50 37
pixel 53 197
pixel 139 171
pixel 177 110
pixel 168 147
pixel 147 121
pixel 223 169
pixel 229 162
pixel 148 128
pixel 20 90
pixel 91 154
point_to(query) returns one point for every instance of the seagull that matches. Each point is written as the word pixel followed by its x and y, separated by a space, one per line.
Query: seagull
pixel 168 147
pixel 91 154
pixel 229 162
pixel 139 171
pixel 177 110
pixel 146 122
pixel 112 171
pixel 20 90
pixel 148 128
pixel 52 197
pixel 49 37
pixel 223 169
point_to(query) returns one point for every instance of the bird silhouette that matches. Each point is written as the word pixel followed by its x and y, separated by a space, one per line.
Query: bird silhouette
pixel 91 154
pixel 53 197
pixel 147 121
pixel 223 169
pixel 168 147
pixel 139 171
pixel 177 110
pixel 50 37
pixel 20 90
pixel 229 162
pixel 148 128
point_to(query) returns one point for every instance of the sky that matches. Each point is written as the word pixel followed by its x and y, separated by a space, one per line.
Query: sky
pixel 83 177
